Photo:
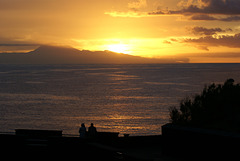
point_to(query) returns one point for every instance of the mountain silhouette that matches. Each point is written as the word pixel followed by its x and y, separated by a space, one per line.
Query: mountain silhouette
pixel 68 55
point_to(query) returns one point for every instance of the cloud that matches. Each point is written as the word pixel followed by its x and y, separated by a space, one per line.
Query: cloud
pixel 220 10
pixel 17 48
pixel 225 7
pixel 134 8
pixel 205 31
pixel 212 37
pixel 211 18
pixel 167 42
pixel 230 18
pixel 16 44
pixel 203 17
pixel 137 4
pixel 213 41
pixel 133 14
pixel 159 12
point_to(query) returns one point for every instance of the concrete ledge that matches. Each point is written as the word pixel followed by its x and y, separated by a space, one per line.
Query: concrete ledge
pixel 107 135
pixel 38 133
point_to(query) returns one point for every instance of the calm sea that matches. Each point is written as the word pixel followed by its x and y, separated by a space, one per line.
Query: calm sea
pixel 131 99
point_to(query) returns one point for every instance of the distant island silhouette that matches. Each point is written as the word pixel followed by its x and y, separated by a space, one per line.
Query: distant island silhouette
pixel 67 55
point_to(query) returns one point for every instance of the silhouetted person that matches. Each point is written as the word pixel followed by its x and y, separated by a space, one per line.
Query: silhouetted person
pixel 92 131
pixel 82 131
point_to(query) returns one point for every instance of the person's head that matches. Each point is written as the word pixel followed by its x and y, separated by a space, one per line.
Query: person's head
pixel 82 125
pixel 91 124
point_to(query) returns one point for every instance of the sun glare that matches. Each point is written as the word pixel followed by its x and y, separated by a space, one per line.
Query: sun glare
pixel 118 48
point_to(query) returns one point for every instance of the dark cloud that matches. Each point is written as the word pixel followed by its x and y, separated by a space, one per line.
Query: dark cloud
pixel 230 18
pixel 205 31
pixel 211 18
pixel 226 7
pixel 208 10
pixel 209 41
pixel 157 13
pixel 203 17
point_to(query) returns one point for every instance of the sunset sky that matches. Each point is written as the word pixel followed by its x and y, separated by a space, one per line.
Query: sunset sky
pixel 201 30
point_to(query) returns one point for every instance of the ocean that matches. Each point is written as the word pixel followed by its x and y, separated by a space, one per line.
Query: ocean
pixel 129 99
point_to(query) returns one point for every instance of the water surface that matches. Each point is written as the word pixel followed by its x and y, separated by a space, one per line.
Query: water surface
pixel 131 99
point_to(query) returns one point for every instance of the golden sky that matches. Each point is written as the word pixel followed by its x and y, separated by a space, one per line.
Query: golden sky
pixel 201 30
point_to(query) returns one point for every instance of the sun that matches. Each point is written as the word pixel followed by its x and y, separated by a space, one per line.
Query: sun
pixel 118 48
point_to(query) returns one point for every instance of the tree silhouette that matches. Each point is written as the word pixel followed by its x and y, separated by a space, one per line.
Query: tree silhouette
pixel 217 107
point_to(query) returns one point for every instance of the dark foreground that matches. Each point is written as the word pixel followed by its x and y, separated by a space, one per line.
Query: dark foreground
pixel 42 144
pixel 176 143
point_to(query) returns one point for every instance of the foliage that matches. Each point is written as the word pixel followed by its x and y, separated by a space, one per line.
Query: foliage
pixel 218 107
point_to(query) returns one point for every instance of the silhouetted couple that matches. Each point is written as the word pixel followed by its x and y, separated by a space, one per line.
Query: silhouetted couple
pixel 92 131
